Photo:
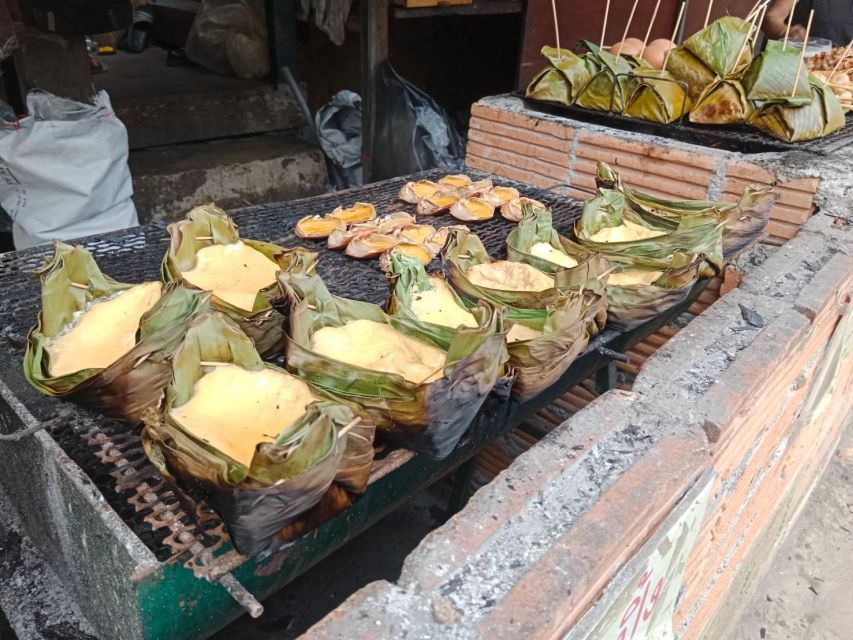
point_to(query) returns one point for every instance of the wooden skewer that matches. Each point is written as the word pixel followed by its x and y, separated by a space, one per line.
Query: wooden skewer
pixel 803 53
pixel 346 429
pixel 745 42
pixel 211 363
pixel 757 7
pixel 674 32
pixel 204 237
pixel 651 22
pixel 604 24
pixel 77 285
pixel 840 61
pixel 628 26
pixel 556 29
pixel 788 28
pixel 708 13
pixel 606 273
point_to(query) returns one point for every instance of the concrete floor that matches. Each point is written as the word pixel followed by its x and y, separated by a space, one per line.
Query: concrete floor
pixel 805 594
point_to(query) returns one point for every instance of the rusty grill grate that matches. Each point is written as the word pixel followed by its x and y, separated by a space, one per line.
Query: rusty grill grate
pixel 738 138
pixel 173 526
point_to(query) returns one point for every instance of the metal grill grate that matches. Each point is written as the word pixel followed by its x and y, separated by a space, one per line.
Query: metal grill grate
pixel 738 138
pixel 174 527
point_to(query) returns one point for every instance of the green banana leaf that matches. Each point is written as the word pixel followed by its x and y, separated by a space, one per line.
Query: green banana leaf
pixel 609 81
pixel 821 117
pixel 71 281
pixel 687 68
pixel 429 418
pixel 563 80
pixel 744 219
pixel 723 102
pixel 536 226
pixel 286 477
pixel 689 234
pixel 629 306
pixel 407 276
pixel 465 250
pixel 720 43
pixel 771 77
pixel 264 325
pixel 656 96
pixel 567 326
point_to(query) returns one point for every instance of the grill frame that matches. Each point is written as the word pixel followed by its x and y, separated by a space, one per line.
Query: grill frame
pixel 735 138
pixel 96 465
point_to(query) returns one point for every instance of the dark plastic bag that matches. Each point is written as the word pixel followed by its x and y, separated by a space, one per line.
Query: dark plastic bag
pixel 413 133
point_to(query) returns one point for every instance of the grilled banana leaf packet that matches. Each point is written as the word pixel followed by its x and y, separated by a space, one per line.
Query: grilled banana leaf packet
pixel 687 68
pixel 656 96
pixel 563 80
pixel 261 446
pixel 550 328
pixel 609 80
pixel 744 219
pixel 610 226
pixel 724 46
pixel 722 102
pixel 820 117
pixel 420 392
pixel 640 289
pixel 102 343
pixel 772 74
pixel 206 252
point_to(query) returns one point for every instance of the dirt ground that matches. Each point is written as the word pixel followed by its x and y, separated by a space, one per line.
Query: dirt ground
pixel 805 594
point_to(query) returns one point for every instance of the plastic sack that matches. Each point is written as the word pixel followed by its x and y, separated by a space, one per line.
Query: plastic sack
pixel 413 133
pixel 339 129
pixel 63 171
pixel 230 37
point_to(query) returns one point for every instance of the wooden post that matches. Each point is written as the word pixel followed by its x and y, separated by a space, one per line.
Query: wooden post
pixel 374 53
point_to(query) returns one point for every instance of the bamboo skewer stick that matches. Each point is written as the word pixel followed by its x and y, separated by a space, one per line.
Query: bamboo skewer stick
pixel 840 61
pixel 604 24
pixel 708 13
pixel 556 29
pixel 628 26
pixel 651 22
pixel 674 32
pixel 757 7
pixel 803 54
pixel 788 28
pixel 745 42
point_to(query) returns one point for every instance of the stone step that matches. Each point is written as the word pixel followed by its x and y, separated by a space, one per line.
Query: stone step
pixel 165 105
pixel 233 172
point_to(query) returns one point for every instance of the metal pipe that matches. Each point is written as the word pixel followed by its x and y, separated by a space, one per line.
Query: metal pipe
pixel 246 600
pixel 300 102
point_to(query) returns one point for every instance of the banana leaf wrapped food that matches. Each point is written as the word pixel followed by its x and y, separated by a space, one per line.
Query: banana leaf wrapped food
pixel 640 289
pixel 724 46
pixel 744 219
pixel 610 226
pixel 772 74
pixel 722 102
pixel 563 80
pixel 549 328
pixel 417 391
pixel 102 343
pixel 206 252
pixel 820 117
pixel 687 68
pixel 535 242
pixel 609 81
pixel 656 96
pixel 259 444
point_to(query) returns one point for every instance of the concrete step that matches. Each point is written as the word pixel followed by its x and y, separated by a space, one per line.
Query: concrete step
pixel 165 105
pixel 233 172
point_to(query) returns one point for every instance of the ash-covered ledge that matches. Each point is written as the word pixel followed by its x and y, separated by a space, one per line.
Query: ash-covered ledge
pixel 674 492
pixel 508 138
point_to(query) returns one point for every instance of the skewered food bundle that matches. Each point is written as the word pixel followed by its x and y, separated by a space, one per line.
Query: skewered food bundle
pixel 419 392
pixel 207 253
pixel 103 343
pixel 261 445
pixel 712 77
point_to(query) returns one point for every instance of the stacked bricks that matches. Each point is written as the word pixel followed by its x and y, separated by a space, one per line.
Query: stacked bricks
pixel 533 551
pixel 543 150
